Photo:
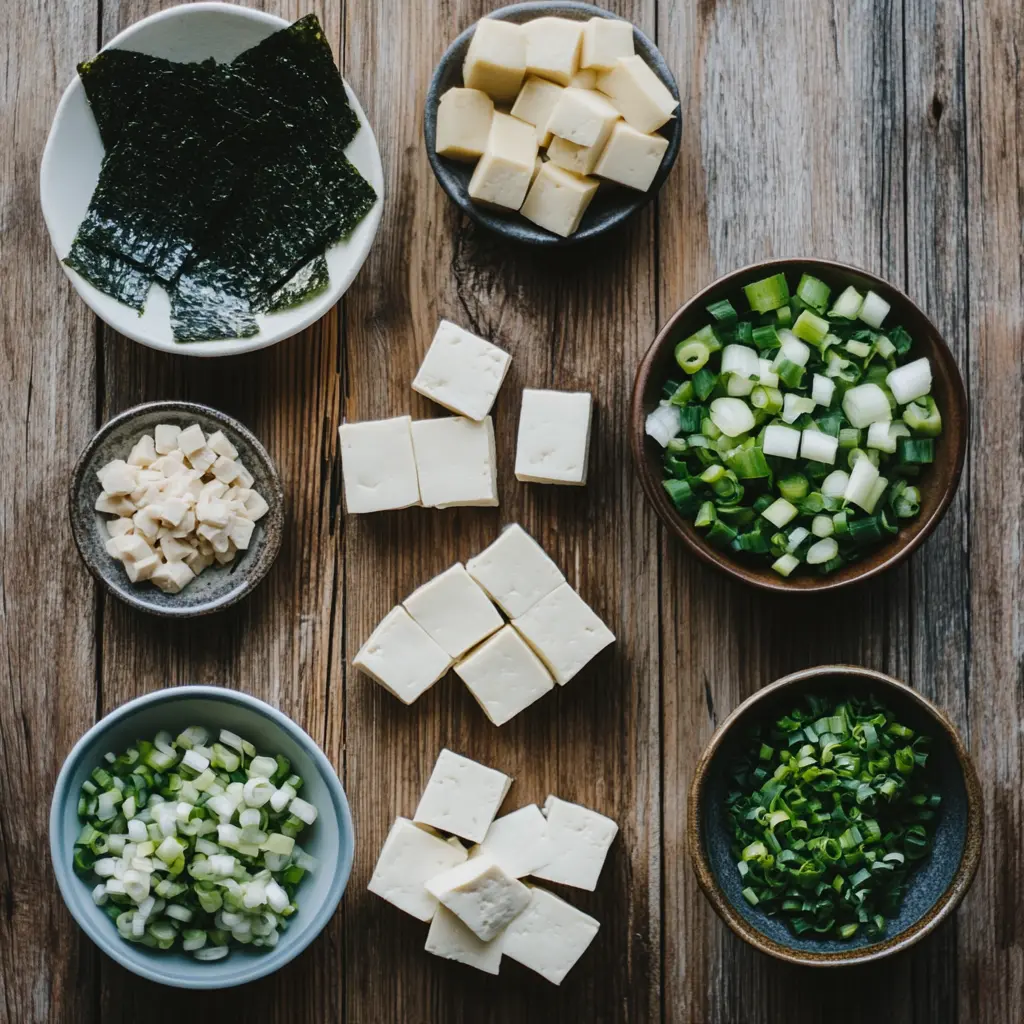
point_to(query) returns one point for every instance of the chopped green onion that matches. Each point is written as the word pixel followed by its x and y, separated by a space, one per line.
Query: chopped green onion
pixel 813 292
pixel 873 310
pixel 848 304
pixel 723 310
pixel 916 451
pixel 767 294
pixel 922 417
pixel 810 327
pixel 692 355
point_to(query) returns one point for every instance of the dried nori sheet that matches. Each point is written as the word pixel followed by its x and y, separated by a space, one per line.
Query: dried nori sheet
pixel 112 275
pixel 306 283
pixel 203 307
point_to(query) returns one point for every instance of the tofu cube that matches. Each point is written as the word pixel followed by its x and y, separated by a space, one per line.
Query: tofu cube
pixel 585 79
pixel 202 460
pixel 605 40
pixel 143 453
pixel 534 104
pixel 455 461
pixel 554 434
pixel 481 895
pixel 451 939
pixel 579 159
pixel 454 611
pixel 213 513
pixel 496 59
pixel 165 438
pixel 564 631
pixel 401 656
pixel 256 506
pixel 502 176
pixel 120 526
pixel 240 531
pixel 553 48
pixel 630 157
pixel 191 440
pixel 244 478
pixel 114 504
pixel 219 443
pixel 504 675
pixel 378 465
pixel 132 548
pixel 147 522
pixel 144 569
pixel 558 199
pixel 172 577
pixel 463 124
pixel 577 844
pixel 515 571
pixel 549 936
pixel 172 511
pixel 175 550
pixel 462 797
pixel 225 469
pixel 518 841
pixel 409 858
pixel 638 94
pixel 583 116
pixel 461 371
pixel 118 478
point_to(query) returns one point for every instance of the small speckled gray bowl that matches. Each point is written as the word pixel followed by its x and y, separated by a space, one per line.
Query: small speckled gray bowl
pixel 612 204
pixel 220 585
pixel 937 885
pixel 330 839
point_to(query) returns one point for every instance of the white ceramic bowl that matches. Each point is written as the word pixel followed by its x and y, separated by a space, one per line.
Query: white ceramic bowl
pixel 74 152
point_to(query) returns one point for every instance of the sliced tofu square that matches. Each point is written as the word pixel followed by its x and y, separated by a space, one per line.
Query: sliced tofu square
pixel 515 571
pixel 462 796
pixel 565 632
pixel 451 939
pixel 402 657
pixel 638 93
pixel 577 844
pixel 191 440
pixel 118 478
pixel 553 48
pixel 503 174
pixel 605 40
pixel 630 157
pixel 172 577
pixel 165 438
pixel 409 858
pixel 463 123
pixel 143 452
pixel 454 610
pixel 146 569
pixel 496 59
pixel 579 159
pixel 554 434
pixel 455 461
pixel 219 442
pixel 585 79
pixel 461 371
pixel 534 104
pixel 518 841
pixel 558 199
pixel 378 465
pixel 225 469
pixel 175 550
pixel 481 895
pixel 583 116
pixel 115 504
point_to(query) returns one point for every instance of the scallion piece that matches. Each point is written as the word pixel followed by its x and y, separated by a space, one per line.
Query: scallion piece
pixel 768 294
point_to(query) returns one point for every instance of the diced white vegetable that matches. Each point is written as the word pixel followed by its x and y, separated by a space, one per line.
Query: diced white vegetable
pixel 881 437
pixel 866 404
pixel 914 380
pixel 780 512
pixel 732 416
pixel 785 564
pixel 822 526
pixel 874 310
pixel 794 406
pixel 877 490
pixel 834 485
pixel 766 375
pixel 822 390
pixel 738 387
pixel 740 360
pixel 663 424
pixel 818 446
pixel 792 348
pixel 796 538
pixel 858 349
pixel 821 552
pixel 861 484
pixel 848 304
pixel 303 810
pixel 781 441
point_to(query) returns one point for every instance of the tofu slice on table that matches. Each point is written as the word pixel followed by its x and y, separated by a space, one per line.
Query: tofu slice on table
pixel 605 40
pixel 451 939
pixel 463 123
pixel 517 841
pixel 577 844
pixel 630 157
pixel 534 104
pixel 481 895
pixel 378 465
pixel 503 174
pixel 456 461
pixel 553 48
pixel 638 93
pixel 515 571
pixel 454 610
pixel 554 432
pixel 496 59
pixel 462 796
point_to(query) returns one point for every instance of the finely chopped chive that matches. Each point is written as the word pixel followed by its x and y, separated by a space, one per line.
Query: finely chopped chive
pixel 831 810
pixel 824 409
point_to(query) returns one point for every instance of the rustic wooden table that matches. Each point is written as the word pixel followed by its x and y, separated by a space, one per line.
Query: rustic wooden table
pixel 883 132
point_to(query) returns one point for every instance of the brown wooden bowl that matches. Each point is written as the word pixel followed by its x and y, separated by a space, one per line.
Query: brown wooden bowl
pixel 938 483
pixel 936 887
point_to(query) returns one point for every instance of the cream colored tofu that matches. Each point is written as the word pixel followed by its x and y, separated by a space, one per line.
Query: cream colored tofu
pixel 462 796
pixel 515 571
pixel 554 431
pixel 378 465
pixel 502 175
pixel 219 443
pixel 455 461
pixel 118 478
pixel 517 841
pixel 463 123
pixel 537 165
pixel 630 157
pixel 579 159
pixel 605 40
pixel 577 844
pixel 504 675
pixel 583 116
pixel 451 939
pixel 534 104
pixel 172 577
pixel 165 438
pixel 191 439
pixel 496 59
pixel 553 48
pixel 454 610
pixel 638 94
pixel 481 895
pixel 143 453
pixel 558 199
pixel 584 79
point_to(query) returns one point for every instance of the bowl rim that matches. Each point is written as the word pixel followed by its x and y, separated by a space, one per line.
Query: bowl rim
pixel 923 528
pixel 252 969
pixel 270 538
pixel 265 338
pixel 943 907
pixel 536 235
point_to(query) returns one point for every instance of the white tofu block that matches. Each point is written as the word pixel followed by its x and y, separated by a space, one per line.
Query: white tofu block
pixel 630 157
pixel 553 48
pixel 409 858
pixel 504 675
pixel 165 438
pixel 256 506
pixel 583 116
pixel 119 527
pixel 145 569
pixel 461 371
pixel 605 40
pixel 462 797
pixel 554 433
pixel 191 440
pixel 172 577
pixel 175 550
pixel 638 94
pixel 225 469
pixel 535 103
pixel 570 157
pixel 401 657
pixel 451 939
pixel 515 571
pixel 496 59
pixel 454 611
pixel 481 895
pixel 558 199
pixel 132 548
pixel 549 936
pixel 201 460
pixel 378 465
pixel 564 631
pixel 455 461
pixel 585 79
pixel 240 531
pixel 115 505
pixel 219 442
pixel 147 522
pixel 518 841
pixel 463 123
pixel 118 478
pixel 577 844
pixel 502 175
pixel 143 452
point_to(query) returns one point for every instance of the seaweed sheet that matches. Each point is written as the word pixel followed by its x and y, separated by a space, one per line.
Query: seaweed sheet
pixel 111 274
pixel 306 283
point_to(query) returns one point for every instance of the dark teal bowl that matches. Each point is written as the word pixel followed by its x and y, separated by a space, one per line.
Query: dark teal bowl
pixel 936 887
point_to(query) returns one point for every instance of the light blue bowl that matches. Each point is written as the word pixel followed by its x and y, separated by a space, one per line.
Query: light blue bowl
pixel 330 839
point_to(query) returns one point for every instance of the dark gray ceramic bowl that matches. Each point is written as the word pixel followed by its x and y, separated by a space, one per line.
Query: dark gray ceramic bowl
pixel 612 204
pixel 220 585
pixel 936 887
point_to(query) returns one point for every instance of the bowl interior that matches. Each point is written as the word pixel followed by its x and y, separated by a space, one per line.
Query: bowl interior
pixel 219 585
pixel 612 204
pixel 929 884
pixel 74 153
pixel 938 482
pixel 329 839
